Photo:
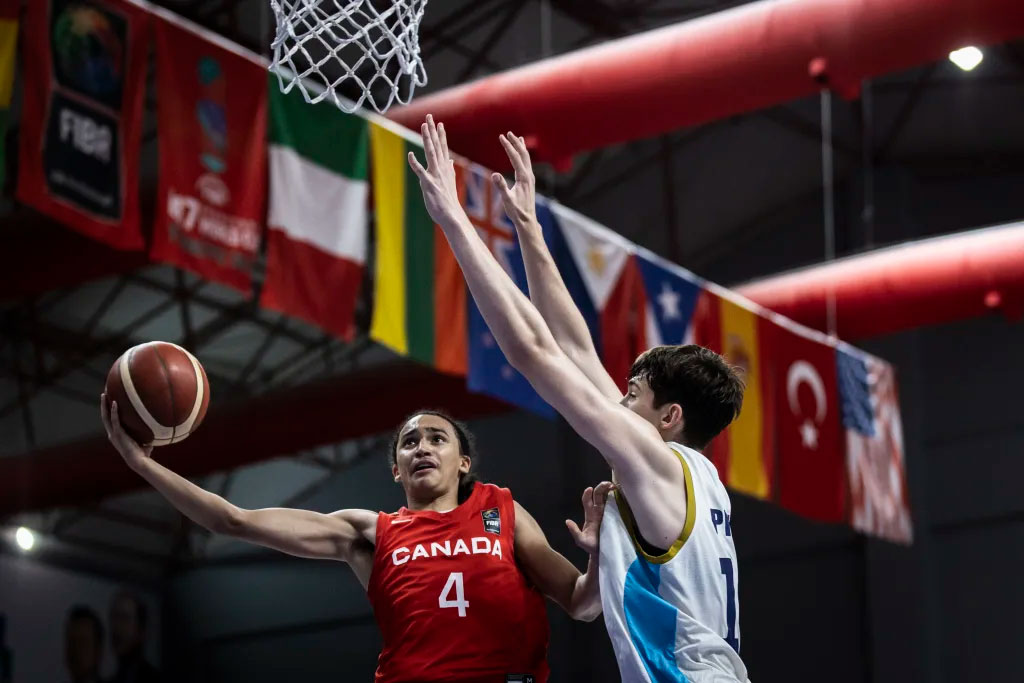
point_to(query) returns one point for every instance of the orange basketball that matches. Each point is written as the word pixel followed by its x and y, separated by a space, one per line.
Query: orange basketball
pixel 161 392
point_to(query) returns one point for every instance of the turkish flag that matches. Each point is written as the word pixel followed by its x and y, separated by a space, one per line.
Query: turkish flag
pixel 811 475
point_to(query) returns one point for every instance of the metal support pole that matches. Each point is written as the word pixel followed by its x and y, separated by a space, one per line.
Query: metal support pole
pixel 867 215
pixel 828 197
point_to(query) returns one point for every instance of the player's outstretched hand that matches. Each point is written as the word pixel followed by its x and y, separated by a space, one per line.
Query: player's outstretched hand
pixel 437 180
pixel 125 445
pixel 520 200
pixel 594 499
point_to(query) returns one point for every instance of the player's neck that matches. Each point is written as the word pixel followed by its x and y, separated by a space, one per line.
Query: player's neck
pixel 443 503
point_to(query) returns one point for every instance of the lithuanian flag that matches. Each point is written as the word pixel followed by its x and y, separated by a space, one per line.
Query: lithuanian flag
pixel 8 45
pixel 419 307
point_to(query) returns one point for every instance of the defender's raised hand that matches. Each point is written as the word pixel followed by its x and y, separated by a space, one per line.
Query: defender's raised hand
pixel 437 180
pixel 594 499
pixel 520 200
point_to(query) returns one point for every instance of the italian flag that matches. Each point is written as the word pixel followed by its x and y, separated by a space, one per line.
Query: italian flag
pixel 8 43
pixel 318 217
pixel 419 293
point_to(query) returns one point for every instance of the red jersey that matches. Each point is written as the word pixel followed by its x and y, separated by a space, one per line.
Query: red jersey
pixel 449 598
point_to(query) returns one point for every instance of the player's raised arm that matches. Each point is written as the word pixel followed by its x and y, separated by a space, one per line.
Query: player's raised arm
pixel 630 444
pixel 547 289
pixel 578 594
pixel 337 536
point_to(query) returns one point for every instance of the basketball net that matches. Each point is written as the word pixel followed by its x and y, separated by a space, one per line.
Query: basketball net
pixel 349 51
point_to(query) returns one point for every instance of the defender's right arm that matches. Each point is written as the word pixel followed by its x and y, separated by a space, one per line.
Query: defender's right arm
pixel 337 536
pixel 547 289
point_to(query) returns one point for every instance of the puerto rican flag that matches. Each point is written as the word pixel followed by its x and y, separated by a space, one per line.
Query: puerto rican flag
pixel 671 297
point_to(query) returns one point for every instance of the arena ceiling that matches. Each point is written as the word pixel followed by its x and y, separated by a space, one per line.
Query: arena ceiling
pixel 695 196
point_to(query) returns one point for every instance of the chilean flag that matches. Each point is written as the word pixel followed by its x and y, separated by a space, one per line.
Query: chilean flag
pixel 600 270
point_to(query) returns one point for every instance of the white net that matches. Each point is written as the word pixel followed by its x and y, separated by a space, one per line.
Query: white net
pixel 349 51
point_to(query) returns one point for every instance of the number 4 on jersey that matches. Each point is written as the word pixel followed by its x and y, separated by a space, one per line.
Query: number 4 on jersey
pixel 454 579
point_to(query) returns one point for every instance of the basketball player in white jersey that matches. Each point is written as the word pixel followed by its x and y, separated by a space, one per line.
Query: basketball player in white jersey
pixel 668 572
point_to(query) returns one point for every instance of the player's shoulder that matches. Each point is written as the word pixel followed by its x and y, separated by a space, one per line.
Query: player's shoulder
pixel 695 460
pixel 492 492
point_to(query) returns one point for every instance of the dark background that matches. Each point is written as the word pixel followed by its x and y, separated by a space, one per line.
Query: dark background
pixel 941 150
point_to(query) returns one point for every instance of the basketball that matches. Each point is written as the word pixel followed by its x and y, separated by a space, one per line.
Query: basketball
pixel 161 392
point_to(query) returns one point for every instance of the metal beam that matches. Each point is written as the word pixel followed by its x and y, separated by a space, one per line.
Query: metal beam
pixel 903 117
pixel 503 24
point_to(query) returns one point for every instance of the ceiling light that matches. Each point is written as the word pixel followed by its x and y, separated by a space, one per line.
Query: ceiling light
pixel 25 538
pixel 966 57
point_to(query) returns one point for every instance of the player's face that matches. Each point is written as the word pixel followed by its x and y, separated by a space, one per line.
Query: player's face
pixel 428 460
pixel 639 398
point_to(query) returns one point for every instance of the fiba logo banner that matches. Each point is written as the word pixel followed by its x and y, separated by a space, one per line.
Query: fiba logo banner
pixel 213 162
pixel 82 118
pixel 79 153
pixel 81 157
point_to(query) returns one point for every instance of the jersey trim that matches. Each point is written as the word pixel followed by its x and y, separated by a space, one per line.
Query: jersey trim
pixel 691 518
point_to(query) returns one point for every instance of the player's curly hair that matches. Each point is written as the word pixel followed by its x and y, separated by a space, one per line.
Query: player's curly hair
pixel 467 446
pixel 706 387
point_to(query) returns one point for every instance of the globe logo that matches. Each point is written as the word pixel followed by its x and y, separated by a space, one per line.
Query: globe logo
pixel 212 117
pixel 88 52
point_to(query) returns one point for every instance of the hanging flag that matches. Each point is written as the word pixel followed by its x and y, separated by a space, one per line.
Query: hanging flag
pixel 874 446
pixel 601 273
pixel 84 80
pixel 212 125
pixel 8 50
pixel 811 453
pixel 744 452
pixel 489 371
pixel 671 296
pixel 318 219
pixel 419 307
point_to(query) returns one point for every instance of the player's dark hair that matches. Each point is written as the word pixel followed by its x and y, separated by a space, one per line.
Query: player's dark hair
pixel 85 613
pixel 467 446
pixel 706 387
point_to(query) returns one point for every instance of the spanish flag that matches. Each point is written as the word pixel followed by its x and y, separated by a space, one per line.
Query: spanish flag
pixel 745 452
pixel 419 293
pixel 8 45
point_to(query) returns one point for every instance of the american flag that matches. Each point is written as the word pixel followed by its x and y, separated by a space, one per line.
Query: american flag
pixel 874 446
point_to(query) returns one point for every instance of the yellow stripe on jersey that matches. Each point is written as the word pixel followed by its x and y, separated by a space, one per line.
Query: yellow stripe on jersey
pixel 691 517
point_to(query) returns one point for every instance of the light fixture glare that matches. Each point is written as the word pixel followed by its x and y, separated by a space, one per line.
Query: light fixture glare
pixel 25 538
pixel 966 57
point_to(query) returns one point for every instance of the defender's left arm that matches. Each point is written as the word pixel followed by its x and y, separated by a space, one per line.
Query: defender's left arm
pixel 630 444
pixel 578 594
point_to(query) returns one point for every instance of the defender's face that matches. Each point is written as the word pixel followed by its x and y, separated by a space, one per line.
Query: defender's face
pixel 640 399
pixel 428 460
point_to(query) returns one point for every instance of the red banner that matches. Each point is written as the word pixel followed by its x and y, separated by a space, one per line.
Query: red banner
pixel 212 125
pixel 84 79
pixel 811 466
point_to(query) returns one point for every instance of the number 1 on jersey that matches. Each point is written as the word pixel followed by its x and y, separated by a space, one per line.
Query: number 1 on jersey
pixel 454 579
pixel 730 600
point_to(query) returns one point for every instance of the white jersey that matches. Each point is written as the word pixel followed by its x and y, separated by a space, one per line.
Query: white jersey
pixel 675 617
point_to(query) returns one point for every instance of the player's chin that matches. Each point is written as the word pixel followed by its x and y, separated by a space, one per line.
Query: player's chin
pixel 426 480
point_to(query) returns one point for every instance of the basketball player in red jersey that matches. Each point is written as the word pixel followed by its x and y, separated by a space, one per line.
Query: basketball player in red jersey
pixel 455 578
